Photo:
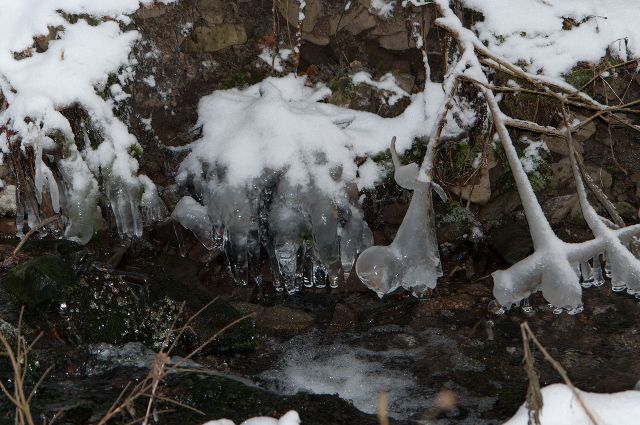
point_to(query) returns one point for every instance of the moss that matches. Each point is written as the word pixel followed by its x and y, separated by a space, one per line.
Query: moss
pixel 40 282
pixel 241 79
pixel 579 77
pixel 342 84
pixel 539 177
pixel 136 150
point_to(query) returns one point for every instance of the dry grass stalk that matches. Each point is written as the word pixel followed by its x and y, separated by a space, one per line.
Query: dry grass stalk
pixel 383 408
pixel 149 387
pixel 19 359
pixel 528 336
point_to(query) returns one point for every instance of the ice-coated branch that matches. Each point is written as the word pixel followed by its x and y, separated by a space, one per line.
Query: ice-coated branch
pixel 622 266
pixel 553 265
pixel 551 268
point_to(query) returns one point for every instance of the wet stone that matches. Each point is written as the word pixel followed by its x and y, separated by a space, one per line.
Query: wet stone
pixel 40 283
pixel 511 240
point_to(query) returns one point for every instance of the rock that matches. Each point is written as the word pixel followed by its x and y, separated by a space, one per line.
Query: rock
pixel 556 209
pixel 343 317
pixel 154 10
pixel 459 223
pixel 290 11
pixel 8 204
pixel 560 146
pixel 511 240
pixel 398 41
pixel 282 318
pixel 405 81
pixel 40 283
pixel 5 171
pixel 8 226
pixel 627 211
pixel 235 398
pixel 562 174
pixel 499 206
pixel 358 20
pixel 600 176
pixel 220 313
pixel 218 37
pixel 585 132
pixel 479 192
pixel 206 6
pixel 394 213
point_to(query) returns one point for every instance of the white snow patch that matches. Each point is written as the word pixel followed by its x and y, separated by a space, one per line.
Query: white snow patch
pixel 281 125
pixel 552 36
pixel 387 83
pixel 532 154
pixel 560 407
pixel 383 8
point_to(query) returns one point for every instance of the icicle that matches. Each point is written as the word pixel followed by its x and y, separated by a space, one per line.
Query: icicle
pixel 412 260
pixel 587 275
pixel 194 217
pixel 526 305
pixel 598 279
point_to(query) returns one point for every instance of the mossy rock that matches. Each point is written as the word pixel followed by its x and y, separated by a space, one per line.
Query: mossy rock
pixel 41 282
pixel 239 337
pixel 459 223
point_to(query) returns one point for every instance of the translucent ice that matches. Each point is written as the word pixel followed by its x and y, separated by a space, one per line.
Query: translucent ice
pixel 412 261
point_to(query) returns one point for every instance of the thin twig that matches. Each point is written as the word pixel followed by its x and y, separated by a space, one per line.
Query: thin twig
pixel 32 231
pixel 561 371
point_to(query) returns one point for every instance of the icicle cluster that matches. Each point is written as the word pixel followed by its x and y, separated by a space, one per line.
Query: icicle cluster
pixel 60 176
pixel 275 179
pixel 308 238
pixel 558 269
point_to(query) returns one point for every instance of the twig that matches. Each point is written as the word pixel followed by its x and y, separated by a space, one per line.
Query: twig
pixel 32 231
pixel 526 330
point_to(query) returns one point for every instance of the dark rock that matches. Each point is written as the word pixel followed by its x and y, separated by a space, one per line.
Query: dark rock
pixel 511 240
pixel 223 397
pixel 41 282
pixel 626 210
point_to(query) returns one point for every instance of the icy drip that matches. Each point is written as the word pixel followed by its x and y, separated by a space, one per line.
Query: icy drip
pixel 309 238
pixel 412 260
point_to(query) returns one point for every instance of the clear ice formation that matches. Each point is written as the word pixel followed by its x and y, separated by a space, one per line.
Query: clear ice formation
pixel 412 260
pixel 558 269
pixel 308 238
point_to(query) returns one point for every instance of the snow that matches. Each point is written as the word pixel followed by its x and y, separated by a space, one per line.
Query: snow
pixel 383 8
pixel 560 407
pixel 281 125
pixel 75 66
pixel 289 418
pixel 532 154
pixel 537 32
pixel 387 83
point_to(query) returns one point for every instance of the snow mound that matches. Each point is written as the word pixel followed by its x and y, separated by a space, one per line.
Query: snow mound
pixel 560 407
pixel 552 36
pixel 281 125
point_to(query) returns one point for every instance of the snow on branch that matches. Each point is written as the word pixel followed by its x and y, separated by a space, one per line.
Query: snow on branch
pixel 556 268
